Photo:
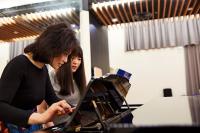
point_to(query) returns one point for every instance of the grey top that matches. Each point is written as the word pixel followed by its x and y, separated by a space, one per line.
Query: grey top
pixel 72 99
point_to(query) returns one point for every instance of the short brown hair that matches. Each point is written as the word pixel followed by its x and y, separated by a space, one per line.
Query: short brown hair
pixel 55 40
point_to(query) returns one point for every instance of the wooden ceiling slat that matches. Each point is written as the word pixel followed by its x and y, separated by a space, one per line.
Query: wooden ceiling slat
pixel 56 20
pixel 109 14
pixel 24 29
pixel 135 7
pixel 35 19
pixel 141 8
pixel 186 9
pixel 176 7
pixel 158 9
pixel 100 16
pixel 74 13
pixel 40 21
pixel 77 22
pixel 19 28
pixel 6 33
pixel 12 29
pixel 120 14
pixel 180 11
pixel 147 6
pixel 164 8
pixel 62 19
pixel 126 15
pixel 8 27
pixel 45 19
pixel 130 11
pixel 170 8
pixel 20 21
pixel 152 5
pixel 193 6
pixel 113 11
pixel 29 24
pixel 69 16
pixel 105 14
pixel 53 17
pixel 65 18
pixel 197 10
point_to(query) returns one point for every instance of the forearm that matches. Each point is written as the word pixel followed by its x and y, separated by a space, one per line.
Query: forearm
pixel 14 115
pixel 42 107
pixel 59 108
pixel 36 118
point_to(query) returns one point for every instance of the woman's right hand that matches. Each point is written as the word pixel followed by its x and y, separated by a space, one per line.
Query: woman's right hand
pixel 58 108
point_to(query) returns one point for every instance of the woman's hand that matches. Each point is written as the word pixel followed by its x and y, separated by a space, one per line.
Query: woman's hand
pixel 58 108
pixel 48 124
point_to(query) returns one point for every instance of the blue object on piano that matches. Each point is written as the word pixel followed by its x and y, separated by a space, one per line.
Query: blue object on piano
pixel 124 73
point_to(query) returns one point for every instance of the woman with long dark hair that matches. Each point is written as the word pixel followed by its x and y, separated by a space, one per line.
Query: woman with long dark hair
pixel 68 81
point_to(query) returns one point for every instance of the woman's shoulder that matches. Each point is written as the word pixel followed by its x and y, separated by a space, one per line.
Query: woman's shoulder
pixel 16 65
pixel 20 59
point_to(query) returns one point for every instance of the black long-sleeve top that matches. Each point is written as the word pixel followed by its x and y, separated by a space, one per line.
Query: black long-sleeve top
pixel 22 87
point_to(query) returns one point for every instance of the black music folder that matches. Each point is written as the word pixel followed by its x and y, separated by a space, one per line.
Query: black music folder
pixel 99 107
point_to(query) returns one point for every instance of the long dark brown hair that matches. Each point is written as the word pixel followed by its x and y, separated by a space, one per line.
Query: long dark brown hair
pixel 65 76
pixel 55 40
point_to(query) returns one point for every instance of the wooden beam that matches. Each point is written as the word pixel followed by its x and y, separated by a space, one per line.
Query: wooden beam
pixel 186 9
pixel 158 15
pixel 105 14
pixel 181 8
pixel 141 8
pixel 197 10
pixel 164 8
pixel 130 11
pixel 99 16
pixel 176 7
pixel 152 5
pixel 135 7
pixel 113 11
pixel 193 6
pixel 120 14
pixel 170 8
pixel 124 9
pixel 147 6
pixel 109 14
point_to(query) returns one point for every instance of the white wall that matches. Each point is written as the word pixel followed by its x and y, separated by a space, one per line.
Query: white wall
pixel 4 56
pixel 152 70
pixel 85 43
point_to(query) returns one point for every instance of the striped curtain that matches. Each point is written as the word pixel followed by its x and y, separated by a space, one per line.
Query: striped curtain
pixel 162 33
pixel 17 47
pixel 192 59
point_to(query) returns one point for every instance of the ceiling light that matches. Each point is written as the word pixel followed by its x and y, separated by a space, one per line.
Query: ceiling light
pixel 114 20
pixel 15 32
pixel 189 9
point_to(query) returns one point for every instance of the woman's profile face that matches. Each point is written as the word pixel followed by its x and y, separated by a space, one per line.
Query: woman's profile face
pixel 75 63
pixel 58 61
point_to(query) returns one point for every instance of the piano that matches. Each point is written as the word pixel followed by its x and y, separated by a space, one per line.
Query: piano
pixel 99 107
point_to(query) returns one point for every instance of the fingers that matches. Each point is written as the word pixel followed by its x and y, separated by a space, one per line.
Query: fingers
pixel 58 108
pixel 63 107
